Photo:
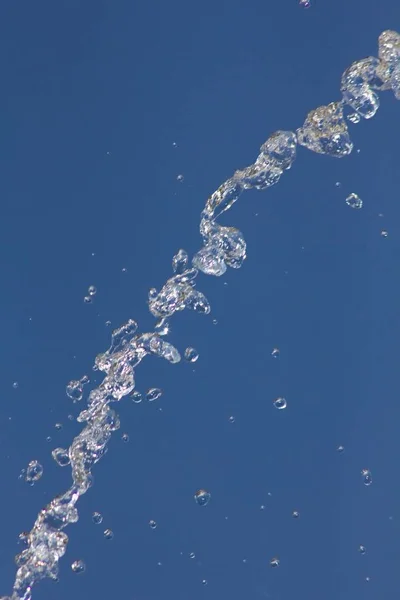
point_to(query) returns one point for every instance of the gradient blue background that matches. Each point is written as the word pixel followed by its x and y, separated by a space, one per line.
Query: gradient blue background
pixel 94 93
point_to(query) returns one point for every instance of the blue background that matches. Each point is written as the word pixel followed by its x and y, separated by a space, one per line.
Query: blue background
pixel 94 93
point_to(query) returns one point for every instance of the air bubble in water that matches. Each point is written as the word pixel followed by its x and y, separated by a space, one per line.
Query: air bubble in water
pixel 275 562
pixel 136 397
pixel 78 566
pixel 362 549
pixel 191 355
pixel 202 497
pixel 354 201
pixel 61 456
pixel 92 290
pixel 153 524
pixel 34 472
pixel 180 178
pixel 97 518
pixel 153 394
pixel 74 390
pixel 108 534
pixel 367 477
pixel 280 403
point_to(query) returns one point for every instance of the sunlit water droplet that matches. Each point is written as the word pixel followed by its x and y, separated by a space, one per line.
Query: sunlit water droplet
pixel 354 201
pixel 366 476
pixel 354 118
pixel 204 582
pixel 74 390
pixel 180 178
pixel 61 456
pixel 202 497
pixel 362 549
pixel 78 566
pixel 125 437
pixel 88 299
pixel 34 472
pixel 231 419
pixel 191 355
pixel 15 385
pixel 97 518
pixel 280 403
pixel 108 534
pixel 275 562
pixel 136 397
pixel 153 524
pixel 192 555
pixel 58 426
pixel 275 352
pixel 340 448
pixel 338 184
pixel 153 394
pixel 384 233
pixel 92 290
pixel 295 514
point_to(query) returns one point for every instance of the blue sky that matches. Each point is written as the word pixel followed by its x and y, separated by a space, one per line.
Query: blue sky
pixel 95 94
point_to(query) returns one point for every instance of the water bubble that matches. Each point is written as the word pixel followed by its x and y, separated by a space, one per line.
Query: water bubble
pixel 74 390
pixel 280 403
pixel 88 299
pixel 108 534
pixel 304 3
pixel 191 355
pixel 174 144
pixel 362 549
pixel 384 233
pixel 125 437
pixel 61 456
pixel 136 397
pixel 78 566
pixel 192 555
pixel 162 327
pixel 97 518
pixel 275 352
pixel 204 582
pixel 70 417
pixel 48 439
pixel 338 184
pixel 354 201
pixel 180 178
pixel 108 323
pixel 85 380
pixel 295 514
pixel 215 322
pixel 153 394
pixel 367 477
pixel 354 118
pixel 34 472
pixel 275 562
pixel 202 497
pixel 58 426
pixel 231 419
pixel 15 385
pixel 92 290
pixel 153 524
pixel 340 448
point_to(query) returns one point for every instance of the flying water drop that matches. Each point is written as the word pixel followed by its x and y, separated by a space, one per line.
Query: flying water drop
pixel 366 476
pixel 275 352
pixel 108 534
pixel 136 397
pixel 153 524
pixel 97 518
pixel 74 390
pixel 34 472
pixel 61 456
pixel 191 355
pixel 354 201
pixel 362 549
pixel 275 562
pixel 180 178
pixel 280 403
pixel 202 497
pixel 92 290
pixel 153 394
pixel 78 566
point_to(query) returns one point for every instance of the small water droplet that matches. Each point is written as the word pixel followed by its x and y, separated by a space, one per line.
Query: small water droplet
pixel 231 419
pixel 92 290
pixel 354 201
pixel 174 144
pixel 192 555
pixel 367 477
pixel 384 233
pixel 275 353
pixel 180 178
pixel 295 514
pixel 108 323
pixel 136 397
pixel 124 270
pixel 97 518
pixel 340 448
pixel 215 322
pixel 305 3
pixel 74 390
pixel 108 534
pixel 202 497
pixel 354 118
pixel 125 437
pixel 338 184
pixel 85 380
pixel 34 472
pixel 280 403
pixel 262 507
pixel 58 426
pixel 61 456
pixel 204 582
pixel 362 549
pixel 191 355
pixel 15 385
pixel 78 566
pixel 48 439
pixel 153 524
pixel 275 562
pixel 153 394
pixel 70 417
pixel 88 299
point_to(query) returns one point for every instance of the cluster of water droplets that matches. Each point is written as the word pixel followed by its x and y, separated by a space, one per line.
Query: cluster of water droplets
pixel 324 131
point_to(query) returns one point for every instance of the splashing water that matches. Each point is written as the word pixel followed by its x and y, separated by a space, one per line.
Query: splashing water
pixel 324 131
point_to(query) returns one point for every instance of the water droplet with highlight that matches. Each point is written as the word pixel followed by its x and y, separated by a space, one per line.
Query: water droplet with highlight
pixel 384 233
pixel 92 290
pixel 180 178
pixel 87 299
pixel 74 390
pixel 153 524
pixel 275 352
pixel 108 534
pixel 191 355
pixel 97 518
pixel 305 3
pixel 295 514
pixel 61 456
pixel 354 201
pixel 15 385
pixel 362 549
pixel 275 562
pixel 340 448
pixel 231 419
pixel 125 437
pixel 202 497
pixel 34 472
pixel 204 582
pixel 354 118
pixel 192 555
pixel 367 477
pixel 280 403
pixel 153 394
pixel 58 426
pixel 136 397
pixel 78 566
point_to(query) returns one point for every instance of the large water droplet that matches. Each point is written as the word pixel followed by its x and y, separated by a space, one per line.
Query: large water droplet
pixel 202 497
pixel 61 456
pixel 153 394
pixel 97 518
pixel 136 397
pixel 108 534
pixel 191 354
pixel 34 472
pixel 74 390
pixel 153 524
pixel 354 201
pixel 280 403
pixel 92 290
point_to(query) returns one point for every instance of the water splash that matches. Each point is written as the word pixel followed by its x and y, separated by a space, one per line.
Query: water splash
pixel 324 131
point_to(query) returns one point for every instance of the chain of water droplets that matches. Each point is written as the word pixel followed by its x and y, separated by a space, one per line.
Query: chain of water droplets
pixel 324 131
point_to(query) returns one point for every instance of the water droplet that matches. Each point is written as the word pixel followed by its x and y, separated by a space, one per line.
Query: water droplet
pixel 367 477
pixel 202 497
pixel 192 555
pixel 191 355
pixel 174 144
pixel 295 514
pixel 367 579
pixel 34 472
pixel 384 233
pixel 92 290
pixel 108 323
pixel 153 394
pixel 74 390
pixel 180 261
pixel 340 448
pixel 362 549
pixel 58 426
pixel 204 582
pixel 275 353
pixel 78 566
pixel 305 3
pixel 262 507
pixel 97 518
pixel 15 385
pixel 153 524
pixel 136 397
pixel 108 534
pixel 23 538
pixel 125 437
pixel 215 322
pixel 338 184
pixel 70 417
pixel 48 439
pixel 88 299
pixel 354 201
pixel 231 419
pixel 61 456
pixel 275 562
pixel 354 118
pixel 180 178
pixel 280 403
pixel 85 380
